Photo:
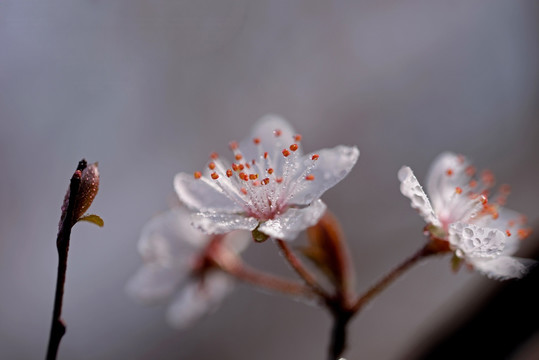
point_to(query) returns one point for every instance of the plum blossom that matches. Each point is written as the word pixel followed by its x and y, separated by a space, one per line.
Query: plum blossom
pixel 178 259
pixel 463 214
pixel 271 188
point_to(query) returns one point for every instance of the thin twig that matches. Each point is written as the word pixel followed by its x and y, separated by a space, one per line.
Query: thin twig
pixel 265 281
pixel 300 269
pixel 58 327
pixel 390 277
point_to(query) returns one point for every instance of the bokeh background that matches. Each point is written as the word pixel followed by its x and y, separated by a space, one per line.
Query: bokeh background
pixel 150 88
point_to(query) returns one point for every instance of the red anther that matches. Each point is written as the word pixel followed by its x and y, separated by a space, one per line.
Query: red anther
pixel 214 155
pixel 270 171
pixel 484 200
pixel 243 176
pixel 473 183
pixel 256 183
pixel 197 174
pixel 495 215
pixel 266 181
pixel 511 223
pixel 449 172
pixel 297 137
pixel 286 152
pixel 507 232
pixel 243 191
pixel 505 189
pixel 470 170
pixel 524 233
pixel 238 157
pixel 247 165
pixel 294 147
pixel 315 157
pixel 279 180
pixel 277 132
pixel 265 155
pixel 241 167
pixel 253 176
pixel 233 145
pixel 211 165
pixel 309 177
pixel 488 177
pixel 458 190
pixel 229 173
pixel 214 176
pixel 235 167
pixel 253 161
pixel 256 140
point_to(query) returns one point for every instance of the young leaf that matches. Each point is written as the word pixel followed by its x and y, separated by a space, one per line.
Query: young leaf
pixel 96 219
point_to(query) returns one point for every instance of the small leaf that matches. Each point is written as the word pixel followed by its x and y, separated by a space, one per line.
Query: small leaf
pixel 96 219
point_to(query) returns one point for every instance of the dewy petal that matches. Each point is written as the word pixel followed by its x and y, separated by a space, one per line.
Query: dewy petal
pixel 270 141
pixel 153 283
pixel 330 168
pixel 507 220
pixel 447 172
pixel 475 241
pixel 502 267
pixel 411 188
pixel 169 239
pixel 201 195
pixel 288 225
pixel 219 223
pixel 198 298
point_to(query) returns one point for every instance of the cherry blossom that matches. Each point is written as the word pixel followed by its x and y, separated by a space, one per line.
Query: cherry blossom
pixel 465 213
pixel 271 187
pixel 178 264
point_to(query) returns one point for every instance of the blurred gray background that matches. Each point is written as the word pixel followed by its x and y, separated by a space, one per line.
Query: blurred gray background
pixel 150 88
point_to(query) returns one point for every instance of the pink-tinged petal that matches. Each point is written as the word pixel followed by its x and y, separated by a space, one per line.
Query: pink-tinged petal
pixel 447 172
pixel 153 283
pixel 503 267
pixel 411 188
pixel 330 167
pixel 220 223
pixel 170 239
pixel 472 241
pixel 275 134
pixel 203 194
pixel 287 226
pixel 198 298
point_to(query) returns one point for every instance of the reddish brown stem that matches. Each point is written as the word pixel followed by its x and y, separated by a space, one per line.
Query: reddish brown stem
pixel 265 281
pixel 391 276
pixel 301 270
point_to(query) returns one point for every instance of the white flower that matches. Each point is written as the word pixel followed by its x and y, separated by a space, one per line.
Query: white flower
pixel 177 259
pixel 482 233
pixel 271 186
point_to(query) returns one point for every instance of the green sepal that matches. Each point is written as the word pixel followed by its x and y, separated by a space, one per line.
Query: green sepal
pixel 95 219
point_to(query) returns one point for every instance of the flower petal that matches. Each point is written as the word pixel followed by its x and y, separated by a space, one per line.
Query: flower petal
pixel 237 241
pixel 503 267
pixel 411 188
pixel 170 239
pixel 219 223
pixel 288 225
pixel 198 298
pixel 507 220
pixel 330 168
pixel 275 134
pixel 153 283
pixel 476 241
pixel 202 195
pixel 447 172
